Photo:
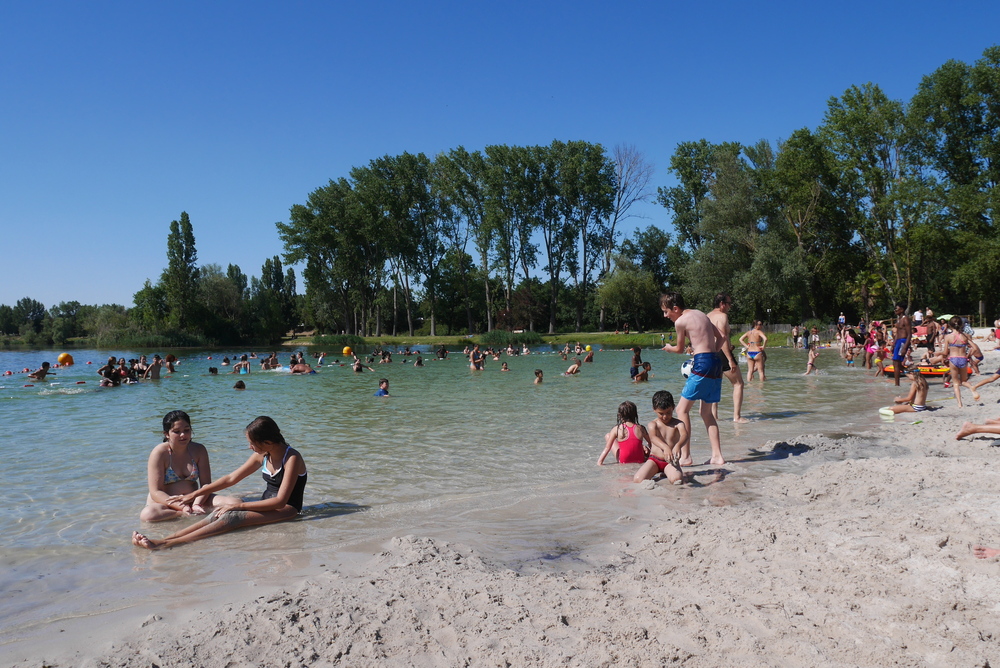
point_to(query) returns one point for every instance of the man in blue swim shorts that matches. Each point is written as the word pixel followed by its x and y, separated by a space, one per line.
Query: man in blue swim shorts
pixel 705 381
pixel 901 338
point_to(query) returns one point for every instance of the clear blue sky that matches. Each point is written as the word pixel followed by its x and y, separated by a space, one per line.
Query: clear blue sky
pixel 115 117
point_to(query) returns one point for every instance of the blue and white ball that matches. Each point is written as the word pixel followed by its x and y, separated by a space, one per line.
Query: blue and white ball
pixel 686 367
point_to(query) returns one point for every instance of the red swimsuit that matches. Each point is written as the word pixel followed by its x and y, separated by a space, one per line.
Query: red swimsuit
pixel 630 449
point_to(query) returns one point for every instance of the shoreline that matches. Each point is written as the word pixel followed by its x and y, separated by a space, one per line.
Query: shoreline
pixel 854 560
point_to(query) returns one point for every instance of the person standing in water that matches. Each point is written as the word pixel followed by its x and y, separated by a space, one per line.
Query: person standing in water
pixel 731 370
pixel 755 341
pixel 705 381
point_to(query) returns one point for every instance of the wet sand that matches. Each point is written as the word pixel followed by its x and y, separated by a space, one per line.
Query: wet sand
pixel 862 559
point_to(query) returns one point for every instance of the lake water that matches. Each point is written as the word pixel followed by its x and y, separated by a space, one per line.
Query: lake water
pixel 485 458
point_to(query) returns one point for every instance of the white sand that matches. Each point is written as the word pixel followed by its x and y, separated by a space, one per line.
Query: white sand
pixel 858 562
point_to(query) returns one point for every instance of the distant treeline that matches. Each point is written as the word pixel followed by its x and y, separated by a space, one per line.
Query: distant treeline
pixel 885 201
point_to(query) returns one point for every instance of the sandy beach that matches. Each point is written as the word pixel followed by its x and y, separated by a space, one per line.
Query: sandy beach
pixel 863 559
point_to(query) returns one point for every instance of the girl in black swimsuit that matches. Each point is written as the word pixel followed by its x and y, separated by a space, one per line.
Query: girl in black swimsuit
pixel 285 476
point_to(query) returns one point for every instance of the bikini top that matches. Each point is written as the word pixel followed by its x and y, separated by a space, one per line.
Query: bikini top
pixel 170 476
pixel 964 344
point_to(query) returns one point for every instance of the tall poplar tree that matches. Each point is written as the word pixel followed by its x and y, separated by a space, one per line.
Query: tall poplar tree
pixel 180 279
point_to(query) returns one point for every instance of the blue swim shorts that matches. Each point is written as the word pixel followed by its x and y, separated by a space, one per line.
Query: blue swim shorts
pixel 705 381
pixel 897 350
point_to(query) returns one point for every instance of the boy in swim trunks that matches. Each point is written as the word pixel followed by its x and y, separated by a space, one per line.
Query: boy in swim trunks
pixel 916 400
pixel 705 381
pixel 666 433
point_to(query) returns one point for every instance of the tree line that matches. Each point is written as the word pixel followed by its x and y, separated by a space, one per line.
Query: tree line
pixel 886 201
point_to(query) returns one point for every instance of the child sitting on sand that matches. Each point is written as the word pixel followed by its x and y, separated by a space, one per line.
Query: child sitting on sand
pixel 626 439
pixel 916 400
pixel 284 473
pixel 666 433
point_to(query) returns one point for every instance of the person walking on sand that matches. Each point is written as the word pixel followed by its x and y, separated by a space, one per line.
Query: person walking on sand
pixel 901 342
pixel 705 381
pixel 730 369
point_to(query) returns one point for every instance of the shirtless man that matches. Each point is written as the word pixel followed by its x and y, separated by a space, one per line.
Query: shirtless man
pixel 153 370
pixel 901 341
pixel 720 318
pixel 705 381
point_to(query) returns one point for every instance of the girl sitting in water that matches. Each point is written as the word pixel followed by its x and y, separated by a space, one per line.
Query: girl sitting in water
pixel 284 474
pixel 178 466
pixel 626 439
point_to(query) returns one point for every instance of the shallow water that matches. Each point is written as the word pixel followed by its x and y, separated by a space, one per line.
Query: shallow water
pixel 486 458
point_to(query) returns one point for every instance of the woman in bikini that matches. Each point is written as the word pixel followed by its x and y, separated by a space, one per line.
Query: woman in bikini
pixel 284 473
pixel 755 341
pixel 177 466
pixel 958 357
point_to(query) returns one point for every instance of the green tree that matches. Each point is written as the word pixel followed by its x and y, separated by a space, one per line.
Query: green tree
pixel 180 279
pixel 629 293
pixel 29 312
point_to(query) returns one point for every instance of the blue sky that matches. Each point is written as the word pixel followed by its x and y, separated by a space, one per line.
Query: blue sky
pixel 115 117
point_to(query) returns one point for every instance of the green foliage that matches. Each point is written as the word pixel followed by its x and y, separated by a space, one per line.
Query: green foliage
pixel 180 279
pixel 502 338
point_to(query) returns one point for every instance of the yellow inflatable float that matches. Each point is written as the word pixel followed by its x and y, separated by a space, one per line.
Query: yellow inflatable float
pixel 65 359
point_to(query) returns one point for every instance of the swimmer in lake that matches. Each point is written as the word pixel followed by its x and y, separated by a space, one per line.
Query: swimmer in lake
pixel 383 388
pixel 574 368
pixel 538 376
pixel 643 374
pixel 284 473
pixel 41 372
pixel 812 346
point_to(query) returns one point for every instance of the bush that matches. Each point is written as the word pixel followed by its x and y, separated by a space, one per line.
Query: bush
pixel 501 338
pixel 338 340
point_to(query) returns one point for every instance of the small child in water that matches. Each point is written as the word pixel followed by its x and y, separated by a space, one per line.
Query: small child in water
pixel 666 433
pixel 643 375
pixel 504 367
pixel 916 400
pixel 538 376
pixel 626 439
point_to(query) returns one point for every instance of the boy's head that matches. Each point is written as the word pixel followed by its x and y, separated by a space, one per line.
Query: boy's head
pixel 538 373
pixel 663 405
pixel 672 304
pixel 240 385
pixel 383 383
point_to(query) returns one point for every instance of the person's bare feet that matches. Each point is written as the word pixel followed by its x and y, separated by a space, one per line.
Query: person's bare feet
pixel 967 430
pixel 983 552
pixel 741 420
pixel 686 462
pixel 975 396
pixel 717 462
pixel 140 540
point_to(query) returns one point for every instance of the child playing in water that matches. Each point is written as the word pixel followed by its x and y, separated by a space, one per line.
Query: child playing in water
pixel 916 400
pixel 574 368
pixel 42 372
pixel 643 375
pixel 666 433
pixel 626 439
pixel 813 347
pixel 285 475
pixel 538 376
pixel 504 367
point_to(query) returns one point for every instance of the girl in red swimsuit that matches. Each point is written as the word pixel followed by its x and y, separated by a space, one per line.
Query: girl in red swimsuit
pixel 626 439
